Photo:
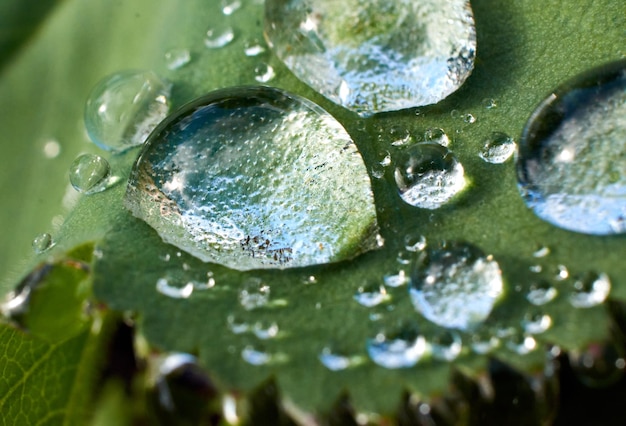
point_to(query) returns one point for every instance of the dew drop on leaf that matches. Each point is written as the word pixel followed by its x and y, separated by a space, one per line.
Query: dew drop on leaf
pixel 437 135
pixel 371 294
pixel 455 285
pixel 254 294
pixel 177 58
pixel 571 162
pixel 164 287
pixel 253 47
pixel 590 289
pixel 219 36
pixel 428 175
pixel 255 178
pixel 90 173
pixel 536 322
pixel 446 345
pixel 263 72
pixel 123 108
pixel 335 360
pixel 375 55
pixel 498 148
pixel 541 292
pixel 42 243
pixel 402 348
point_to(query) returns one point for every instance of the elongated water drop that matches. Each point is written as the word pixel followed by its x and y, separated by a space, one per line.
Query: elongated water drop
pixel 375 55
pixel 42 243
pixel 455 285
pixel 255 178
pixel 572 154
pixel 590 289
pixel 89 174
pixel 124 108
pixel 428 175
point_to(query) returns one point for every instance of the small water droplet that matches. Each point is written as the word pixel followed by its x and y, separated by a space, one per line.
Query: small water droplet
pixel 490 103
pixel 590 289
pixel 177 58
pixel 254 294
pixel 165 288
pixel 437 135
pixel 371 294
pixel 124 108
pixel 253 47
pixel 542 251
pixel 562 273
pixel 521 344
pixel 255 356
pixel 42 243
pixel 400 136
pixel 398 349
pixel 386 159
pixel 571 165
pixel 230 6
pixel 336 361
pixel 405 257
pixel 414 242
pixel 541 292
pixel 535 268
pixel 446 345
pixel 310 279
pixel 219 37
pixel 396 280
pixel 469 119
pixel 455 285
pixel 263 73
pixel 375 49
pixel 498 148
pixel 428 175
pixel 237 325
pixel 89 174
pixel 484 342
pixel 265 330
pixel 536 322
pixel 52 149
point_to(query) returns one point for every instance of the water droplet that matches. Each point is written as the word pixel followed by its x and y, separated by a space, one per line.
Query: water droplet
pixel 437 135
pixel 399 136
pixel 230 6
pixel 484 342
pixel 542 251
pixel 371 56
pixel 536 322
pixel 498 148
pixel 521 344
pixel 469 119
pixel 42 243
pixel 263 72
pixel 310 279
pixel 254 356
pixel 371 294
pixel 255 178
pixel 401 349
pixel 428 175
pixel 456 285
pixel 218 37
pixel 177 58
pixel 254 294
pixel 490 103
pixel 337 361
pixel 535 268
pixel 89 174
pixel 253 47
pixel 265 330
pixel 386 159
pixel 396 280
pixel 561 273
pixel 541 292
pixel 571 163
pixel 600 364
pixel 446 345
pixel 414 242
pixel 237 325
pixel 124 108
pixel 165 288
pixel 590 289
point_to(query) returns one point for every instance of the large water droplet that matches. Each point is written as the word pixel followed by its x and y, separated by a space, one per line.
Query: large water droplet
pixel 89 174
pixel 255 178
pixel 498 148
pixel 572 154
pixel 456 285
pixel 375 55
pixel 428 175
pixel 590 289
pixel 399 349
pixel 124 108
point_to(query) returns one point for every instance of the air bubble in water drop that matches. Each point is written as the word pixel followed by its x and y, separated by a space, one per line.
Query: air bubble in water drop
pixel 124 108
pixel 498 148
pixel 590 289
pixel 89 174
pixel 571 165
pixel 455 285
pixel 428 175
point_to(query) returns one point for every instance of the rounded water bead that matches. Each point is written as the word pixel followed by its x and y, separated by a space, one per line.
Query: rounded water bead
pixel 572 154
pixel 428 175
pixel 375 55
pixel 455 285
pixel 590 289
pixel 401 349
pixel 498 148
pixel 219 36
pixel 177 58
pixel 371 294
pixel 89 173
pixel 42 243
pixel 446 345
pixel 123 108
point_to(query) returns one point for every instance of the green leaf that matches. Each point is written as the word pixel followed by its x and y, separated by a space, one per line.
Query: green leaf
pixel 525 50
